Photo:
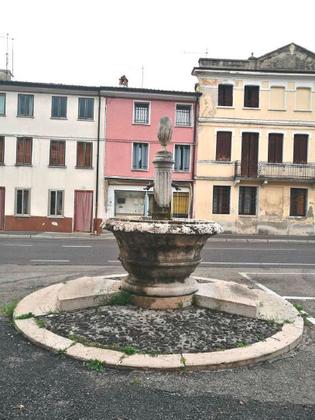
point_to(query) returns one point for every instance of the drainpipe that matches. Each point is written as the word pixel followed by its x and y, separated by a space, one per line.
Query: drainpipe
pixel 96 228
pixel 193 169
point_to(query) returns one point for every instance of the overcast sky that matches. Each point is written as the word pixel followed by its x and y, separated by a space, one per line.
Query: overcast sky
pixel 94 42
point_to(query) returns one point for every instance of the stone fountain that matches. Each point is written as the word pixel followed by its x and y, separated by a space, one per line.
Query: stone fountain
pixel 160 253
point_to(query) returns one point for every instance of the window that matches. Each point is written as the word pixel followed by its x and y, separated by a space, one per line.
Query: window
pixel 183 115
pixel 275 147
pixel 298 198
pixel 225 95
pixel 224 141
pixel 84 155
pixel 25 105
pixel 55 203
pixel 24 151
pixel 303 99
pixel 86 109
pixel 182 158
pixel 59 107
pixel 22 202
pixel 247 200
pixel 277 98
pixel 1 150
pixel 251 97
pixel 300 148
pixel 140 156
pixel 180 204
pixel 141 112
pixel 57 153
pixel 2 104
pixel 221 200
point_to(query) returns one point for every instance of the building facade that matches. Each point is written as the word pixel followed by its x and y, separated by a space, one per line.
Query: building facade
pixel 132 121
pixel 51 173
pixel 255 169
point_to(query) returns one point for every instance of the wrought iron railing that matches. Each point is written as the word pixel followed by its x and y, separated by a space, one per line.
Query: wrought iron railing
pixel 279 170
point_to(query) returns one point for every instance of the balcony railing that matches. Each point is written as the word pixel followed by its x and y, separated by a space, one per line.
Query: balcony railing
pixel 277 171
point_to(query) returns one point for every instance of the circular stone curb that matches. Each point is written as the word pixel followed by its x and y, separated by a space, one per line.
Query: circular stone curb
pixel 45 301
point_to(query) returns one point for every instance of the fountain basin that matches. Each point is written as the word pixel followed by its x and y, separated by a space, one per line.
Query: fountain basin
pixel 159 256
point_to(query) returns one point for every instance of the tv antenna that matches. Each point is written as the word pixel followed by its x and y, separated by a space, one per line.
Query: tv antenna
pixel 205 52
pixel 9 41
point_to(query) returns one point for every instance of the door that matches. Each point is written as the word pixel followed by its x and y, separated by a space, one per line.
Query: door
pixel 2 195
pixel 180 204
pixel 249 162
pixel 83 211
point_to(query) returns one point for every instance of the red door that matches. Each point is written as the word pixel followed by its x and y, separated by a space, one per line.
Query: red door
pixel 2 194
pixel 83 211
pixel 249 163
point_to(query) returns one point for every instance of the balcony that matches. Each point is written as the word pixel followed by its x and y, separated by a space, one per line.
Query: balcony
pixel 277 171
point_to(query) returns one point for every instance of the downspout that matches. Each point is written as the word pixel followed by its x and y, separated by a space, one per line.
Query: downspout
pixel 96 228
pixel 196 115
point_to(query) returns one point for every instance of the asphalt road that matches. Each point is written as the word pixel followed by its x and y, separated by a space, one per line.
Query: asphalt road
pixel 37 384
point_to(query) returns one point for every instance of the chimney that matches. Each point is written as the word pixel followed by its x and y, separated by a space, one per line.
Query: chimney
pixel 5 74
pixel 123 81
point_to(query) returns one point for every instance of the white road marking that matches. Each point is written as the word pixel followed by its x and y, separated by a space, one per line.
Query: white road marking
pixel 16 245
pixel 257 263
pixel 50 260
pixel 113 261
pixel 76 246
pixel 253 249
pixel 274 274
pixel 299 297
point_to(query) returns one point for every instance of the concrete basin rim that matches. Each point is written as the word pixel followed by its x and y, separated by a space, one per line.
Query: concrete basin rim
pixel 284 340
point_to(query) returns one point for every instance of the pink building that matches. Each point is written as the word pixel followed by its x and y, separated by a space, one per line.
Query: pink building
pixel 132 120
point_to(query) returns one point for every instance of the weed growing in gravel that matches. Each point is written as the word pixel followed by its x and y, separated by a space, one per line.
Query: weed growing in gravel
pixel 40 323
pixel 129 350
pixel 183 361
pixel 25 316
pixel 8 309
pixel 135 381
pixel 96 365
pixel 119 299
pixel 241 344
pixel 298 307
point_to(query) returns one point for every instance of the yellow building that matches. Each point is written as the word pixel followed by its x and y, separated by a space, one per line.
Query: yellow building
pixel 255 169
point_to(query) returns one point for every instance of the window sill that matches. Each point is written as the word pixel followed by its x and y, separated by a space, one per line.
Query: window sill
pixel 225 107
pixel 84 167
pixel 183 126
pixel 58 118
pixel 86 119
pixel 139 170
pixel 2 115
pixel 277 109
pixel 302 110
pixel 181 171
pixel 251 107
pixel 55 217
pixel 140 123
pixel 28 165
pixel 25 116
pixel 297 217
pixel 22 215
pixel 248 215
pixel 224 161
pixel 57 166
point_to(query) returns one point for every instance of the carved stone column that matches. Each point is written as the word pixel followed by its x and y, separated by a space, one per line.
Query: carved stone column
pixel 162 203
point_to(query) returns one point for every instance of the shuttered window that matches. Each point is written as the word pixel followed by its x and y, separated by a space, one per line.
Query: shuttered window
pixel 182 157
pixel 221 200
pixel 180 204
pixel 300 148
pixel 225 95
pixel 141 112
pixel 84 155
pixel 275 148
pixel 303 99
pixel 57 153
pixel 251 96
pixel 140 156
pixel 247 200
pixel 1 150
pixel 59 107
pixel 24 151
pixel 224 141
pixel 298 199
pixel 277 98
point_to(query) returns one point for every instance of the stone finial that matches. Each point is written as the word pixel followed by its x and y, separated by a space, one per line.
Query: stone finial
pixel 165 131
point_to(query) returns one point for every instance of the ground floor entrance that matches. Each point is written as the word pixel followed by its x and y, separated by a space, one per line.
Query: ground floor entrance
pixel 83 211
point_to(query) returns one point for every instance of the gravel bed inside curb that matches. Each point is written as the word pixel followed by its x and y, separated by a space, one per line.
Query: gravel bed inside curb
pixel 188 330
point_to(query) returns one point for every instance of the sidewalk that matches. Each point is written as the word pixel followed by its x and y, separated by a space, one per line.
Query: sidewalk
pixel 224 237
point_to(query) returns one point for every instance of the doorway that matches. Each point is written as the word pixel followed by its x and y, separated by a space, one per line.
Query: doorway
pixel 249 162
pixel 83 211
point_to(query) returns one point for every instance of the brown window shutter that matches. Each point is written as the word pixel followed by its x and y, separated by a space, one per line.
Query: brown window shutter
pixel 223 150
pixel 300 148
pixel 20 151
pixel 28 151
pixel 1 150
pixel 62 146
pixel 80 154
pixel 88 155
pixel 275 147
pixel 298 202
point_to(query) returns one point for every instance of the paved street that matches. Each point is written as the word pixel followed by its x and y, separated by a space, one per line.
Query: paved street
pixel 37 384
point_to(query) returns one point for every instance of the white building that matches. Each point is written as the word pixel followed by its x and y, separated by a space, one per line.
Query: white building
pixel 51 157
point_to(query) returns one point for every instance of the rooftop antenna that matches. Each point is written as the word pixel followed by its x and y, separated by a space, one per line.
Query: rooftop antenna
pixel 142 75
pixel 205 52
pixel 7 54
pixel 12 55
